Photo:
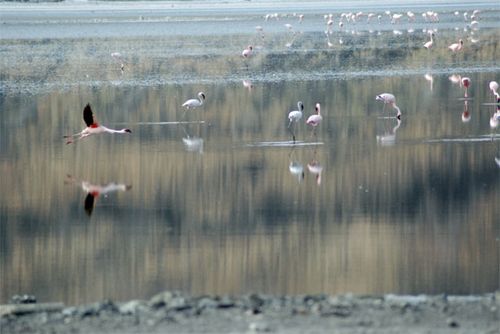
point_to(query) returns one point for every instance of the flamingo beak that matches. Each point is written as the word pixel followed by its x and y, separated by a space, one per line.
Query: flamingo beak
pixel 128 130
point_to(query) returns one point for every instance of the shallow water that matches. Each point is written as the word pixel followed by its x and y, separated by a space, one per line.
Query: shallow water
pixel 220 199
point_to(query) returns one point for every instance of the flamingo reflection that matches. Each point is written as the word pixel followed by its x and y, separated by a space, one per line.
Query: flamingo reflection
pixel 316 169
pixel 192 143
pixel 466 116
pixel 295 168
pixel 389 137
pixel 94 191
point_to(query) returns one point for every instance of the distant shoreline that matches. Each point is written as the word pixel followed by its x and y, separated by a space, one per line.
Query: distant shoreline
pixel 177 313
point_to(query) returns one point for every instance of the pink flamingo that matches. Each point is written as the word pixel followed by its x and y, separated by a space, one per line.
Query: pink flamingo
pixel 315 119
pixel 466 83
pixel 93 127
pixel 389 99
pixel 455 47
pixel 428 44
pixel 247 52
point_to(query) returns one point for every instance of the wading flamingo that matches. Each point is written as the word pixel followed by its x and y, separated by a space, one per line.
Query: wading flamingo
pixel 247 52
pixel 428 44
pixel 315 119
pixel 455 47
pixel 92 128
pixel 295 116
pixel 494 88
pixel 195 103
pixel 389 99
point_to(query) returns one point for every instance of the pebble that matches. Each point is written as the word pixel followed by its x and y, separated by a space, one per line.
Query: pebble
pixel 259 326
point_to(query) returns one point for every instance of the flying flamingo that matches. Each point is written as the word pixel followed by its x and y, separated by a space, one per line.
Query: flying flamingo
pixel 195 103
pixel 455 47
pixel 494 88
pixel 92 128
pixel 94 191
pixel 428 44
pixel 466 83
pixel 247 52
pixel 295 116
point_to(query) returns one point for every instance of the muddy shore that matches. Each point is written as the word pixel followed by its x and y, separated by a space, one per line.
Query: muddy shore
pixel 173 312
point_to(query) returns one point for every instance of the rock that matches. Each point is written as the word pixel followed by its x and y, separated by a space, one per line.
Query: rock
pixel 132 307
pixel 452 323
pixel 226 302
pixel 23 299
pixel 178 304
pixel 97 308
pixel 259 327
pixel 161 300
pixel 254 303
pixel 69 311
pixel 21 309
pixel 207 302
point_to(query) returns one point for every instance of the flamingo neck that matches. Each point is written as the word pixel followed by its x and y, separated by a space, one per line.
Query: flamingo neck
pixel 108 130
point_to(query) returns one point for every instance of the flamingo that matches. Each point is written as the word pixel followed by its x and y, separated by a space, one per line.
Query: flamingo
pixel 247 52
pixel 428 44
pixel 118 57
pixel 195 103
pixel 295 116
pixel 93 127
pixel 94 191
pixel 390 99
pixel 466 83
pixel 455 47
pixel 315 119
pixel 494 88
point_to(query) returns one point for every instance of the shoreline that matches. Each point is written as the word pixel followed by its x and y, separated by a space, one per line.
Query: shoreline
pixel 175 312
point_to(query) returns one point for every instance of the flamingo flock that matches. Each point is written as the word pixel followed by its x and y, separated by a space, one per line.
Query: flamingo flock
pixel 295 116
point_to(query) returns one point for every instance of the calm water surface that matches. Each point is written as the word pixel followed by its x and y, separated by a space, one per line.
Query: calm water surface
pixel 219 200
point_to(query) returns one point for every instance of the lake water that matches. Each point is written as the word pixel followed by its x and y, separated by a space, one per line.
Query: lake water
pixel 220 200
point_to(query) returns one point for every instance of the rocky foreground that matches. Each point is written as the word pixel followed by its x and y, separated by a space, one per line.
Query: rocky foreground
pixel 172 312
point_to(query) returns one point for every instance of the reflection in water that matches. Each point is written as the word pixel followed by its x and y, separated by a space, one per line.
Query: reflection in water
pixel 295 167
pixel 315 168
pixel 430 79
pixel 389 136
pixel 94 191
pixel 466 116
